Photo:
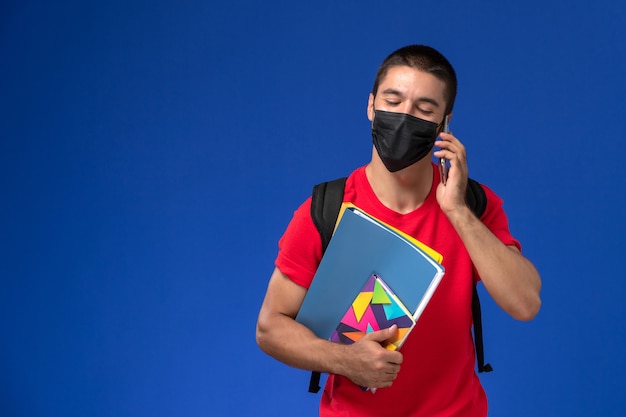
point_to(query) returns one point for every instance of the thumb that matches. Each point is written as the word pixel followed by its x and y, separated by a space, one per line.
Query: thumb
pixel 382 335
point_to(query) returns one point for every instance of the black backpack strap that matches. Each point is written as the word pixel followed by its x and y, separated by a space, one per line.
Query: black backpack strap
pixel 475 197
pixel 477 201
pixel 326 202
pixel 478 333
pixel 314 382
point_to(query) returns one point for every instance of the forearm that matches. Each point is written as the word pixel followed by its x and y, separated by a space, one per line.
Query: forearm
pixel 511 280
pixel 290 342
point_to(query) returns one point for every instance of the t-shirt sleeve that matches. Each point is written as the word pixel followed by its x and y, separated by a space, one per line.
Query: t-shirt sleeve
pixel 300 247
pixel 495 219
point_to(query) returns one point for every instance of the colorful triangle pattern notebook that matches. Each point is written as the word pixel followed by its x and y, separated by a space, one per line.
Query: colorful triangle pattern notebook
pixel 374 308
pixel 361 246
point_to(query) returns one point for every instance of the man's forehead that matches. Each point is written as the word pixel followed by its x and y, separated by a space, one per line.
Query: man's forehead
pixel 400 81
pixel 400 73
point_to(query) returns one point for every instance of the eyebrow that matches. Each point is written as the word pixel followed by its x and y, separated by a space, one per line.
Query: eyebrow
pixel 394 92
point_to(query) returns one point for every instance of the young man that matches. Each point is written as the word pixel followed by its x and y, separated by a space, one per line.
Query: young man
pixel 433 374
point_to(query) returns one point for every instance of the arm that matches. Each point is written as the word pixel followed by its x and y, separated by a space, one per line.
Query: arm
pixel 366 362
pixel 510 278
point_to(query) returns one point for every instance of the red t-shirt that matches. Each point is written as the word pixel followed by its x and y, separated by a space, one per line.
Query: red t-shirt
pixel 437 376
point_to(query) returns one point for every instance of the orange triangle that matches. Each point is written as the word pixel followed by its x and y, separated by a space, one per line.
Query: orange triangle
pixel 393 344
pixel 354 336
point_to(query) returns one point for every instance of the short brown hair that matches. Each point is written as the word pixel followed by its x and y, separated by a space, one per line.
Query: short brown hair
pixel 423 58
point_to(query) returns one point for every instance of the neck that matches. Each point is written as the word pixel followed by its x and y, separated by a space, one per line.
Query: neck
pixel 402 191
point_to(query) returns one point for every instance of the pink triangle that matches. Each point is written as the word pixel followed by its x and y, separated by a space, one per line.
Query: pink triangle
pixel 368 319
pixel 349 319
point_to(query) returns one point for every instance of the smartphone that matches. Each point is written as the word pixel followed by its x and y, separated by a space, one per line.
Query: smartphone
pixel 443 163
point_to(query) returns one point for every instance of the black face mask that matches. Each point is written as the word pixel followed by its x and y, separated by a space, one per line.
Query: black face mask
pixel 401 139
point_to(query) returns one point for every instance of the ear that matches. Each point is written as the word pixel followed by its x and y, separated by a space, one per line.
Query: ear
pixel 370 107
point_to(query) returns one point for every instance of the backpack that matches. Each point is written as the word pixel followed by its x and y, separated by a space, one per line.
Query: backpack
pixel 326 201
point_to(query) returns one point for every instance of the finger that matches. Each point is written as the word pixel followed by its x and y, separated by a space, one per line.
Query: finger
pixel 447 137
pixel 393 369
pixel 450 142
pixel 382 335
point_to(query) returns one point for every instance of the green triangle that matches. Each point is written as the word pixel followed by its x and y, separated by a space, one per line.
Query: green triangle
pixel 380 295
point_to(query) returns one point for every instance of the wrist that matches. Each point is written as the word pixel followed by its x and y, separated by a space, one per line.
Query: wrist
pixel 460 215
pixel 331 357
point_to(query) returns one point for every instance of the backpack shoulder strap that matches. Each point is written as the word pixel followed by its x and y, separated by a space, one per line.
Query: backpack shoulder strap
pixel 326 202
pixel 475 197
pixel 478 333
pixel 477 201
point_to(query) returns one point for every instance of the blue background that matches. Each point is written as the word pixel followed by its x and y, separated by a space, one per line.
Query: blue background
pixel 152 153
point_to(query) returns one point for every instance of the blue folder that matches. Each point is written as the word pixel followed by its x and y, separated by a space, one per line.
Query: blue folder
pixel 362 246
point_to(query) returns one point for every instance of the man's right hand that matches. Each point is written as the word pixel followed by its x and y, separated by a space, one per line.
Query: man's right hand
pixel 370 364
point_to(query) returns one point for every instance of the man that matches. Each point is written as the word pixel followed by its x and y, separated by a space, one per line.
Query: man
pixel 433 374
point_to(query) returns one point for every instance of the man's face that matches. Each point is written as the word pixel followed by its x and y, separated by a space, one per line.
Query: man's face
pixel 411 91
